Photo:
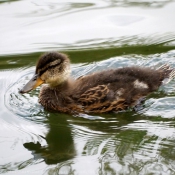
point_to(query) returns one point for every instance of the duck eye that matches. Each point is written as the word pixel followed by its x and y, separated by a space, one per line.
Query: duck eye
pixel 35 77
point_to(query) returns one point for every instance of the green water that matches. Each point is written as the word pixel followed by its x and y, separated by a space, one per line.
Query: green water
pixel 96 35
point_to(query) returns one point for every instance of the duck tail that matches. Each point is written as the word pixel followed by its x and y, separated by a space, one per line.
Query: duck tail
pixel 168 73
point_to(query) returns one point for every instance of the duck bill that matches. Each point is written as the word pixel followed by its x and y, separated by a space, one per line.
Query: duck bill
pixel 32 84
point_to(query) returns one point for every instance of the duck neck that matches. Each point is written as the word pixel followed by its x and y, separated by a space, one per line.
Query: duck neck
pixel 62 86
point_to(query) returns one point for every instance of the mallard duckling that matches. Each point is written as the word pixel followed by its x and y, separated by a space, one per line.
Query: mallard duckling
pixel 100 92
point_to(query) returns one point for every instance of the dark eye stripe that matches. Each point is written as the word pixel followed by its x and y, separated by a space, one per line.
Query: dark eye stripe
pixel 40 72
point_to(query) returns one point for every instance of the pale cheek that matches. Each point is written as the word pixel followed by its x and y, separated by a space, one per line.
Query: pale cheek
pixel 44 77
pixel 47 77
pixel 51 79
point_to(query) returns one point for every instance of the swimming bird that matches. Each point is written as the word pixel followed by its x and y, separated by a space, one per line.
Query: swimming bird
pixel 99 92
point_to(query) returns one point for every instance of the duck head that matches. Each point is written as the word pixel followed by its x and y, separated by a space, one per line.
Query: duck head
pixel 53 68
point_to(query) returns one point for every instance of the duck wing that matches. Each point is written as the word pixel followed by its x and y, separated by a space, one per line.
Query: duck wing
pixel 98 100
pixel 94 95
pixel 116 90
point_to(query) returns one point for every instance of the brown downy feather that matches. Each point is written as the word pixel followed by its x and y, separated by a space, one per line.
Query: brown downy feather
pixel 100 92
pixel 111 90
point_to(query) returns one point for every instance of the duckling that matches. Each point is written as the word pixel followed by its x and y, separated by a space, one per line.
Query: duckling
pixel 99 92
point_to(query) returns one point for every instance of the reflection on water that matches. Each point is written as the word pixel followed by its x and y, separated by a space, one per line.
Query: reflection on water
pixel 97 35
pixel 60 146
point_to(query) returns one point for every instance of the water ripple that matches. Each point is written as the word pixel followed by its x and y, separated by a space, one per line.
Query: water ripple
pixel 43 26
pixel 161 102
pixel 113 143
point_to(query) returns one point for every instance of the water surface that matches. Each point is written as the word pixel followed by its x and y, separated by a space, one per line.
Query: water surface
pixel 96 35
